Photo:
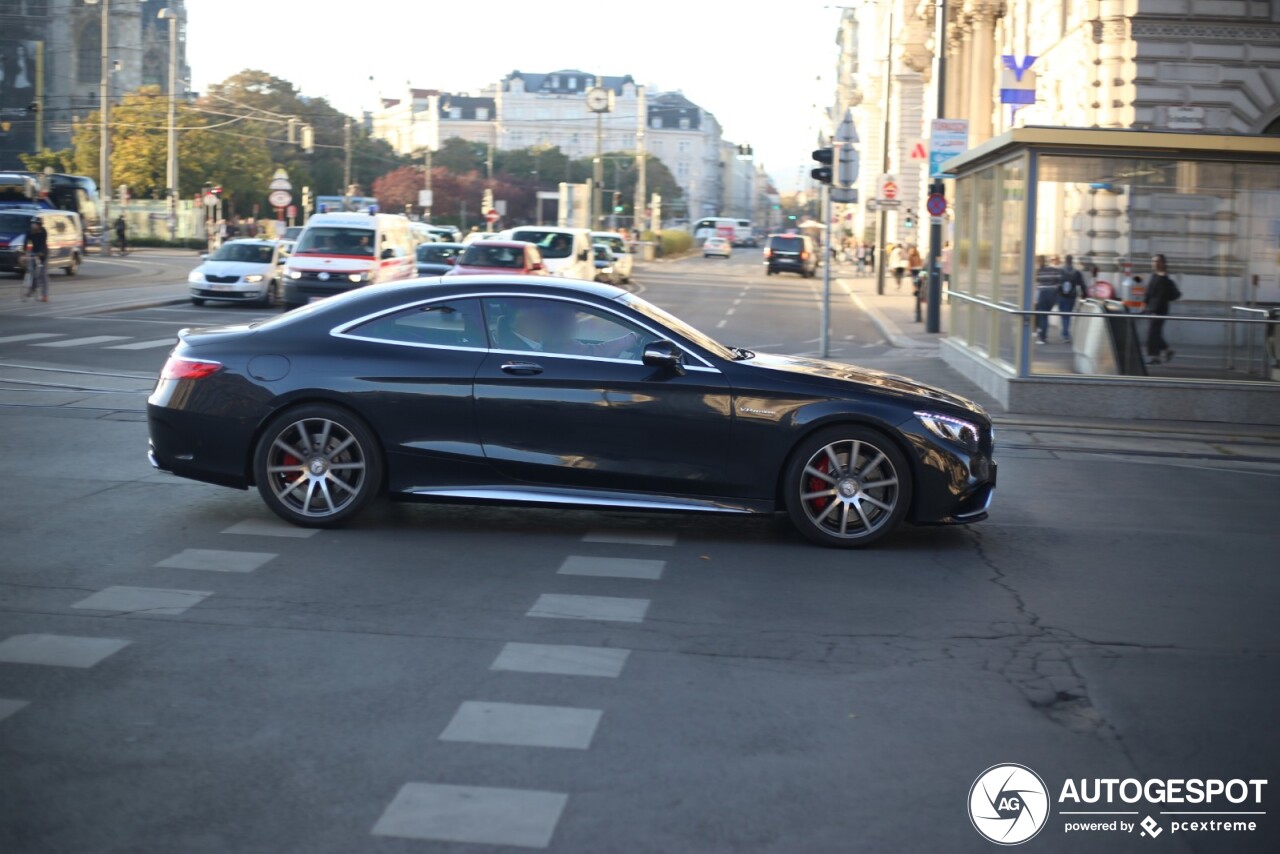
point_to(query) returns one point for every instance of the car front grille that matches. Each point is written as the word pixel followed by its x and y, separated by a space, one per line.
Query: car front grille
pixel 221 280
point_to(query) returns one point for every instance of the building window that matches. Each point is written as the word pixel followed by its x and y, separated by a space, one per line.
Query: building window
pixel 683 145
pixel 684 124
pixel 655 124
pixel 482 114
pixel 542 113
pixel 656 146
pixel 682 169
pixel 555 81
pixel 455 112
pixel 573 83
pixel 89 52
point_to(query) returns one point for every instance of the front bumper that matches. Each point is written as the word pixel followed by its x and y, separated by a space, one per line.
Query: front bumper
pixel 241 293
pixel 953 485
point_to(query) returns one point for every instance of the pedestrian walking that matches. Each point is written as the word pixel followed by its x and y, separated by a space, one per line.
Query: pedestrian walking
pixel 1071 289
pixel 1162 292
pixel 860 258
pixel 122 235
pixel 915 263
pixel 1048 287
pixel 36 247
pixel 897 263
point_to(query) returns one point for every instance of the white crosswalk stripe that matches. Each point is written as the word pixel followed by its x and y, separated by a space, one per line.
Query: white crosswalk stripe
pixel 145 345
pixel 83 342
pixel 30 336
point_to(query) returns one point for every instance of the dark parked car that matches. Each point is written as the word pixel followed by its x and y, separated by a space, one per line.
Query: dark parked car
pixel 790 253
pixel 436 259
pixel 551 392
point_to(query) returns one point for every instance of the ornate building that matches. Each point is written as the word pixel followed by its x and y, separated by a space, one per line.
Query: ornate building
pixel 51 61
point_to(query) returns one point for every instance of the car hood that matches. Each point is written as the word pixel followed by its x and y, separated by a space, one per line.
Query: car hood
pixel 828 373
pixel 331 264
pixel 233 268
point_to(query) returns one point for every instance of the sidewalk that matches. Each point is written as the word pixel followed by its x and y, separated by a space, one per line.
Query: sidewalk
pixel 916 354
pixel 145 277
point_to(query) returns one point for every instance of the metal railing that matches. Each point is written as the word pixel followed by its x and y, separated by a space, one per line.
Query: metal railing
pixel 1028 317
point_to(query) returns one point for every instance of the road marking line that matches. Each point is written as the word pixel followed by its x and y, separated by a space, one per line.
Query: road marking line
pixel 8 707
pixel 730 312
pixel 58 650
pixel 561 659
pixel 145 345
pixel 270 528
pixel 630 538
pixel 612 567
pixel 217 560
pixel 521 725
pixel 738 301
pixel 148 600
pixel 83 342
pixel 720 324
pixel 566 606
pixel 30 336
pixel 475 814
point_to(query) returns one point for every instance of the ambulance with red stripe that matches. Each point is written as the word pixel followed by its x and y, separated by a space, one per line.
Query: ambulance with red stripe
pixel 337 252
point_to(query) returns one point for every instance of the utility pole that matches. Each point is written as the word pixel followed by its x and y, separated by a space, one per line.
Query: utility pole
pixel 104 129
pixel 642 121
pixel 933 308
pixel 171 160
pixel 882 228
pixel 346 156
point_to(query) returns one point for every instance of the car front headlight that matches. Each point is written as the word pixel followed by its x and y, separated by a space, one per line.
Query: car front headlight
pixel 358 277
pixel 255 278
pixel 295 274
pixel 950 428
pixel 195 276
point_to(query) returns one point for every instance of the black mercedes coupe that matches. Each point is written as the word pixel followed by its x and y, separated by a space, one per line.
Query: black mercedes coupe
pixel 555 392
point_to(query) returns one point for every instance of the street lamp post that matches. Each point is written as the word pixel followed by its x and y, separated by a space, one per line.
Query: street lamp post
pixel 933 306
pixel 104 119
pixel 171 161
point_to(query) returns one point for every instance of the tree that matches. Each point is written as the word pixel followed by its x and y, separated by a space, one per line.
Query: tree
pixel 60 161
pixel 398 189
pixel 207 151
pixel 460 156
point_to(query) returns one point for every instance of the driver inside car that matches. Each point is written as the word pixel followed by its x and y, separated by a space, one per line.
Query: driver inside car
pixel 550 329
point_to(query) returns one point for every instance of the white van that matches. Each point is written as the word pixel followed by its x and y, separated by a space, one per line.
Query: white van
pixel 622 258
pixel 738 232
pixel 566 252
pixel 337 252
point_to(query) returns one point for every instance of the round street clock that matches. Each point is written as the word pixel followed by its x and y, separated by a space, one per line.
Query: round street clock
pixel 598 99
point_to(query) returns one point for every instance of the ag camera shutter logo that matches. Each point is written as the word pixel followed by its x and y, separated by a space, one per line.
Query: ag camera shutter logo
pixel 1008 804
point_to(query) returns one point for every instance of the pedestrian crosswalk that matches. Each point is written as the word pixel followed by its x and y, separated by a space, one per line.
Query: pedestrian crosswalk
pixel 66 341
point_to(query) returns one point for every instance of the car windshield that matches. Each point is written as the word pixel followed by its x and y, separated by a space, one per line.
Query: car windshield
pixel 335 240
pixel 676 325
pixel 440 254
pixel 251 253
pixel 292 232
pixel 615 244
pixel 506 257
pixel 554 244
pixel 14 223
pixel 602 252
pixel 787 244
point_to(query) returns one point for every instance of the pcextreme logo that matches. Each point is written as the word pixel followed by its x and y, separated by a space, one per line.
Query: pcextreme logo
pixel 1009 804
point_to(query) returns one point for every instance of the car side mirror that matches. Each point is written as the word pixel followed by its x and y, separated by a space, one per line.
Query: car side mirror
pixel 388 254
pixel 583 255
pixel 535 266
pixel 664 354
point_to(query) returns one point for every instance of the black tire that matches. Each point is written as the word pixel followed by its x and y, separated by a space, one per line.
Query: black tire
pixel 827 498
pixel 341 457
pixel 74 266
pixel 272 296
pixel 197 301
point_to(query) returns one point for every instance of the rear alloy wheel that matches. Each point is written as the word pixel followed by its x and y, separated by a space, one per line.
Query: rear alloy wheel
pixel 847 487
pixel 317 466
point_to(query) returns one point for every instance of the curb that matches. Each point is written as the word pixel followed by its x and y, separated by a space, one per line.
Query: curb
pixel 890 330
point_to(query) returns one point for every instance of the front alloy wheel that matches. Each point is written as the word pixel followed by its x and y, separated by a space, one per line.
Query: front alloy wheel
pixel 847 487
pixel 317 466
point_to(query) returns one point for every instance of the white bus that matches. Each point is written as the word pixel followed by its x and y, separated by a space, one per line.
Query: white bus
pixel 737 231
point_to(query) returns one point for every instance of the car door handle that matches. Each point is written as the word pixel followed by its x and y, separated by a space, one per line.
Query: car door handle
pixel 522 368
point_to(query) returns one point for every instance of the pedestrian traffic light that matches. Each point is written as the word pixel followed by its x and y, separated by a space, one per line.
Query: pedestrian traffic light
pixel 822 174
pixel 617 202
pixel 910 221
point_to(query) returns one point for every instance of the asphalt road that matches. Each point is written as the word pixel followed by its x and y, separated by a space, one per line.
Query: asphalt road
pixel 180 673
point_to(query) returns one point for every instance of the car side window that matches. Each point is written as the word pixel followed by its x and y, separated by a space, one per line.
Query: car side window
pixel 532 324
pixel 439 324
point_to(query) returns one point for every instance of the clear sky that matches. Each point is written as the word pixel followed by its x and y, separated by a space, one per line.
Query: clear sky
pixel 756 66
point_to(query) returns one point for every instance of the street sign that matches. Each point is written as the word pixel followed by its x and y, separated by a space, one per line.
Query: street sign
pixel 425 198
pixel 887 190
pixel 492 216
pixel 279 198
pixel 280 181
pixel 1017 80
pixel 937 204
pixel 947 138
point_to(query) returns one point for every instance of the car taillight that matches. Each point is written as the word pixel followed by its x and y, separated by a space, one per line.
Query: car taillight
pixel 178 368
pixel 804 255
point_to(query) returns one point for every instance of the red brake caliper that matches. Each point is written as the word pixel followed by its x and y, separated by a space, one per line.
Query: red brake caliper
pixel 817 484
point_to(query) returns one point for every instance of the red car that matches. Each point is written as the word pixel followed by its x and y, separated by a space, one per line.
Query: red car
pixel 486 257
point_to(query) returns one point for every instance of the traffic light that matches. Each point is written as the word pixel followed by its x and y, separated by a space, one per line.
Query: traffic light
pixel 910 221
pixel 33 107
pixel 617 202
pixel 822 174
